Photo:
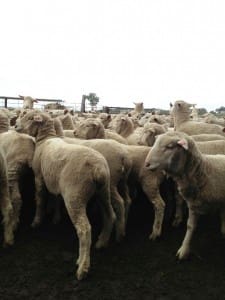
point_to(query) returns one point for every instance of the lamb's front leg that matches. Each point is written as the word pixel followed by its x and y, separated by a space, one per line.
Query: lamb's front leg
pixel 184 250
pixel 39 186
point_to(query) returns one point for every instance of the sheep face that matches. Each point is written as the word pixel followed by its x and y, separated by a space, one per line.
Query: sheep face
pixel 105 119
pixel 147 137
pixel 169 153
pixel 31 122
pixel 181 106
pixel 90 129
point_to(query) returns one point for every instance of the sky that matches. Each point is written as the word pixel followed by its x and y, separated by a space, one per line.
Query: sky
pixel 125 51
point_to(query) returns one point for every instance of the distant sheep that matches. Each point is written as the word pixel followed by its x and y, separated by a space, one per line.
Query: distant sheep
pixel 182 122
pixel 28 101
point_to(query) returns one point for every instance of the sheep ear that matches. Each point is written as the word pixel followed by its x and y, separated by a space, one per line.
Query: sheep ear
pixel 183 143
pixel 22 97
pixel 35 100
pixel 38 118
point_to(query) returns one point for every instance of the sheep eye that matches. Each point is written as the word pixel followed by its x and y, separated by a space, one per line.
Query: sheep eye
pixel 170 146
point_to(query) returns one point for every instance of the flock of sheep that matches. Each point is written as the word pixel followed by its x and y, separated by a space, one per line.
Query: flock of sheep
pixel 81 156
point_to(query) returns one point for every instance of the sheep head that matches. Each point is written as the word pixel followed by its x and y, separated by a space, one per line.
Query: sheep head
pixel 170 153
pixel 90 129
pixel 32 121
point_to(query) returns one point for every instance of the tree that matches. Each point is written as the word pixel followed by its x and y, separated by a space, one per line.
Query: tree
pixel 93 100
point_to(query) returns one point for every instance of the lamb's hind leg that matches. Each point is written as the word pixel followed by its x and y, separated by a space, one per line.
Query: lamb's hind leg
pixel 76 207
pixel 39 201
pixel 108 217
pixel 118 206
pixel 7 213
pixel 16 202
pixel 222 217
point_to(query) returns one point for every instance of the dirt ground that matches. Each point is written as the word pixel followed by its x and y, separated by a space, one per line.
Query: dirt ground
pixel 41 264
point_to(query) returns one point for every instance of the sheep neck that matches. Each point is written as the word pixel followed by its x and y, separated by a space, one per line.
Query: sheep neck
pixel 45 131
pixel 194 176
pixel 180 118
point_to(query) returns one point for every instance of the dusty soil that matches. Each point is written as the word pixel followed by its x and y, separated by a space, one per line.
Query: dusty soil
pixel 41 264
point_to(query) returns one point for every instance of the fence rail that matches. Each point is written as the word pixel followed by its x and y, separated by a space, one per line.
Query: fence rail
pixel 5 100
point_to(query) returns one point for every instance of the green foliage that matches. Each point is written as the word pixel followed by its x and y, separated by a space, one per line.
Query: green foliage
pixel 93 99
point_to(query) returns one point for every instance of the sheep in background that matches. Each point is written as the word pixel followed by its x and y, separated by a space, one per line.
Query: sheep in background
pixel 122 125
pixel 194 113
pixel 149 133
pixel 93 128
pixel 105 119
pixel 76 173
pixel 199 178
pixel 182 122
pixel 28 101
pixel 207 137
pixel 211 119
pixel 139 108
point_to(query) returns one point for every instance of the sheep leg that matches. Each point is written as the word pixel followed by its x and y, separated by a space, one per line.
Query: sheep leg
pixel 151 188
pixel 7 213
pixel 108 217
pixel 77 213
pixel 184 250
pixel 222 217
pixel 57 210
pixel 124 192
pixel 39 185
pixel 179 210
pixel 16 202
pixel 118 206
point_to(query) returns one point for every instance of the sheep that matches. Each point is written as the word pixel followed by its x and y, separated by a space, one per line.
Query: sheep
pixel 76 173
pixel 67 121
pixel 105 119
pixel 28 101
pixel 199 178
pixel 122 125
pixel 139 108
pixel 144 119
pixel 5 202
pixel 207 137
pixel 119 165
pixel 19 151
pixel 93 128
pixel 212 119
pixel 182 122
pixel 149 133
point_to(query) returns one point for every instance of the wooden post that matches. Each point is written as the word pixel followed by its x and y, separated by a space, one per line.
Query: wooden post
pixel 5 102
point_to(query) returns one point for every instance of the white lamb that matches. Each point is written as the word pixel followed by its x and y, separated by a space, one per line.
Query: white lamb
pixel 199 178
pixel 75 172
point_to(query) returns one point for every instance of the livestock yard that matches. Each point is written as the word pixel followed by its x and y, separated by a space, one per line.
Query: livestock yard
pixel 141 190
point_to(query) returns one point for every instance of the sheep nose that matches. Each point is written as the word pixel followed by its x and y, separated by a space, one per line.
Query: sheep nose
pixel 147 164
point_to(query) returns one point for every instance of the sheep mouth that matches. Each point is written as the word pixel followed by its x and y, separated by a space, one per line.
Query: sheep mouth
pixel 152 166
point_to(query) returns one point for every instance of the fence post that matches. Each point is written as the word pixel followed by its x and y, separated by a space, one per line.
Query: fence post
pixel 5 102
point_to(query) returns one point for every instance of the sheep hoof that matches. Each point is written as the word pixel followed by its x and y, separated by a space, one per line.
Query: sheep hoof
pixel 153 236
pixel 120 237
pixel 183 253
pixel 101 244
pixel 35 224
pixel 176 222
pixel 81 274
pixel 7 244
